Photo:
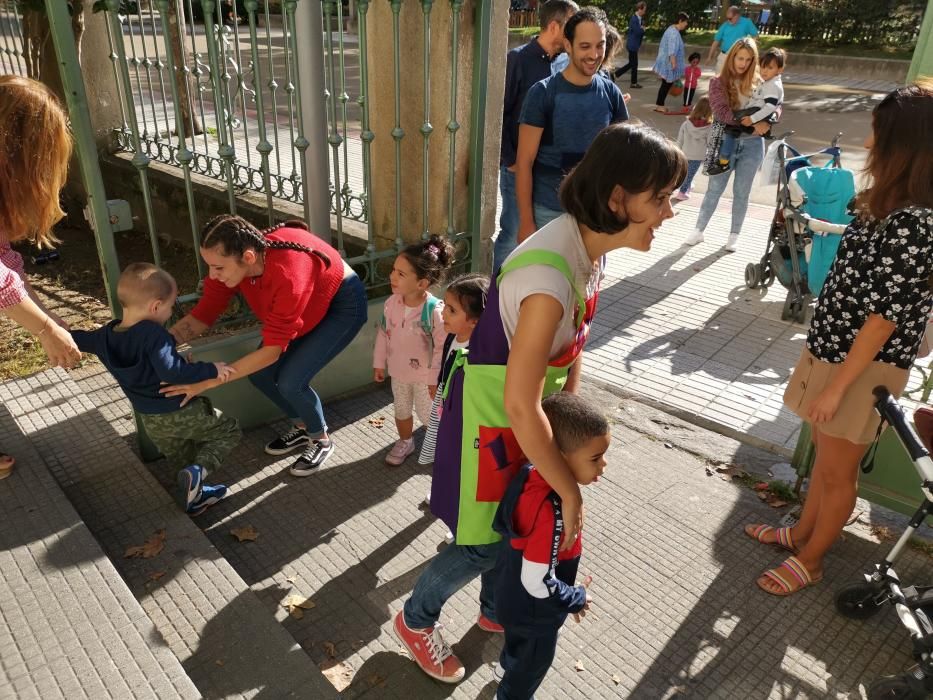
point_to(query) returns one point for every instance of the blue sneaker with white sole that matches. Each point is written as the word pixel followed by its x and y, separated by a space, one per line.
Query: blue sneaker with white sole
pixel 190 480
pixel 210 495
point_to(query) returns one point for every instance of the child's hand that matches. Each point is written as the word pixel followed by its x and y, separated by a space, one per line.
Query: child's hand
pixel 224 371
pixel 626 97
pixel 580 615
pixel 379 374
pixel 747 121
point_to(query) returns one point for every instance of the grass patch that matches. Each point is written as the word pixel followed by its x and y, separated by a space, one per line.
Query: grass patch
pixel 782 490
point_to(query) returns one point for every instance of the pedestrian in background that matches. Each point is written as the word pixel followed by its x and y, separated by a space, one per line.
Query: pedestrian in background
pixel 35 147
pixel 633 39
pixel 524 66
pixel 866 330
pixel 692 75
pixel 734 28
pixel 671 62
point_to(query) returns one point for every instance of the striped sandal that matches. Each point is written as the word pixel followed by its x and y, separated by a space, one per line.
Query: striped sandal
pixel 791 576
pixel 782 536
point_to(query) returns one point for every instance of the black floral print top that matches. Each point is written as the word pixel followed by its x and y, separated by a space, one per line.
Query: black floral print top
pixel 884 268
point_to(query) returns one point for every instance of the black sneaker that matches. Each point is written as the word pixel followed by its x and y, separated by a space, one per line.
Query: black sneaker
pixel 292 440
pixel 314 456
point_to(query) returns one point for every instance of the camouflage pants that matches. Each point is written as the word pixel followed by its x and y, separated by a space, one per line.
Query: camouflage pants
pixel 195 434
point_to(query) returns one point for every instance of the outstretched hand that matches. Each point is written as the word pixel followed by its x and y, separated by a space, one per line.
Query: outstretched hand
pixel 189 391
pixel 577 616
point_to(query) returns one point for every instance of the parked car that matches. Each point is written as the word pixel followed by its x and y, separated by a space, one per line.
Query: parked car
pixel 226 10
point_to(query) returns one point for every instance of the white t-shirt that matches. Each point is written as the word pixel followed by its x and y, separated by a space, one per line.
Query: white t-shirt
pixel 561 236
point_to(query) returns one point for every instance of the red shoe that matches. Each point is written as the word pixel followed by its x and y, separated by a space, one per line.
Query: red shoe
pixel 429 650
pixel 487 625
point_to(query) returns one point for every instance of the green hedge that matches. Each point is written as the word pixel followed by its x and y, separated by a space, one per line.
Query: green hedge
pixel 875 23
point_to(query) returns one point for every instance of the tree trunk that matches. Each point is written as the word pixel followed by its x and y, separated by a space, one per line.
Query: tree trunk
pixel 176 24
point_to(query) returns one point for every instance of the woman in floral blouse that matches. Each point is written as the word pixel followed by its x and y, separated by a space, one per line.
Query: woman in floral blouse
pixel 866 329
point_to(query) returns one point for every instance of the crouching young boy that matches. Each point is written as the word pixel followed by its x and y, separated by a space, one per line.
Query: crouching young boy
pixel 140 354
pixel 535 588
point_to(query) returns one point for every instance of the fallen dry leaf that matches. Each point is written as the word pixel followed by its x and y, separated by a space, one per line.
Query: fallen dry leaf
pixel 882 532
pixel 579 665
pixel 247 533
pixel 289 579
pixel 338 673
pixel 156 575
pixel 709 470
pixel 761 486
pixel 616 679
pixel 377 422
pixel 764 495
pixel 219 662
pixel 730 472
pixel 149 549
pixel 296 605
pixel 856 514
pixel 375 679
pixel 330 649
pixel 777 503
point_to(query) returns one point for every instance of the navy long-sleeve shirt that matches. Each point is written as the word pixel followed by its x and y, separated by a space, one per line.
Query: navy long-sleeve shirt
pixel 141 358
pixel 524 66
pixel 636 32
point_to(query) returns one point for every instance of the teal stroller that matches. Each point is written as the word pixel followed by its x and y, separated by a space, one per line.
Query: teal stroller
pixel 813 197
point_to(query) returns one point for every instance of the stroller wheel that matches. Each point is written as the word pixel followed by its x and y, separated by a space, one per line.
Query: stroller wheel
pixel 858 601
pixel 901 687
pixel 767 276
pixel 799 311
pixel 752 275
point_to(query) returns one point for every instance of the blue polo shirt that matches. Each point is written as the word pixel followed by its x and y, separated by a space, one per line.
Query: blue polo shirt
pixel 730 33
pixel 524 66
pixel 571 116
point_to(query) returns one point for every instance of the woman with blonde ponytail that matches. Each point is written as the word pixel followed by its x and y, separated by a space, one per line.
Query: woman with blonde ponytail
pixel 35 147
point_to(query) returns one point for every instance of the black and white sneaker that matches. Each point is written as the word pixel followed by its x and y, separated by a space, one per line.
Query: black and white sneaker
pixel 292 440
pixel 313 457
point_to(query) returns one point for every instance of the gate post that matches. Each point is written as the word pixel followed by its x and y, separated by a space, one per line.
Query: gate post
pixel 83 132
pixel 312 118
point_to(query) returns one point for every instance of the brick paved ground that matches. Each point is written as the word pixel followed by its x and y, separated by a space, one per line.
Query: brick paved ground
pixel 678 327
pixel 678 614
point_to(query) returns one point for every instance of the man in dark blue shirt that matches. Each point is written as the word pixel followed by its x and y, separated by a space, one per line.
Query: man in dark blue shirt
pixel 525 66
pixel 561 117
pixel 636 32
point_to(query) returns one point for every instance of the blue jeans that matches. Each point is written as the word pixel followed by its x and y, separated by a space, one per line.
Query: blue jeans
pixel 286 381
pixel 693 166
pixel 544 216
pixel 508 219
pixel 453 568
pixel 727 146
pixel 748 156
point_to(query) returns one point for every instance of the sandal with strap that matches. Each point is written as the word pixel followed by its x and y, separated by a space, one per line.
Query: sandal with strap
pixel 6 465
pixel 791 576
pixel 782 536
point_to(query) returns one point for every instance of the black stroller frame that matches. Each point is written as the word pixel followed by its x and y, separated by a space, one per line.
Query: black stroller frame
pixel 789 233
pixel 914 604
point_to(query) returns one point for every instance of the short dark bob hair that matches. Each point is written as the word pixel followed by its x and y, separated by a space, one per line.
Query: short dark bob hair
pixel 636 157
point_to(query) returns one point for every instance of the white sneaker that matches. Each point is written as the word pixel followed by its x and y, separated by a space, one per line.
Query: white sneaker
pixel 732 243
pixel 694 238
pixel 680 196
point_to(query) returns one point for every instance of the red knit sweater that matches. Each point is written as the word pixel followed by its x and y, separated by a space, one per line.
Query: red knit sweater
pixel 292 294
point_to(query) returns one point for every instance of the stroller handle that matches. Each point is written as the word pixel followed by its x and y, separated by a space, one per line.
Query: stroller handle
pixel 890 410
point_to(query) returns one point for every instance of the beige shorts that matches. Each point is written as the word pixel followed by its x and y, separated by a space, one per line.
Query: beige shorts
pixel 408 395
pixel 856 419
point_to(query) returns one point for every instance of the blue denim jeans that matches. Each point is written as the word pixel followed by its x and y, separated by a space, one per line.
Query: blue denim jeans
pixel 453 568
pixel 508 219
pixel 693 166
pixel 544 216
pixel 745 163
pixel 727 147
pixel 286 381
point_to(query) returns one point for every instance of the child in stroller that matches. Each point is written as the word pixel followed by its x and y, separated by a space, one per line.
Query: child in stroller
pixel 811 214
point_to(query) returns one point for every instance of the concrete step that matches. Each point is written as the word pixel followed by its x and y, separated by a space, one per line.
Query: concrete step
pixel 225 638
pixel 70 625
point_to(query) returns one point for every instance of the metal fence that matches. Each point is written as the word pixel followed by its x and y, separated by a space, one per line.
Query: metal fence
pixel 238 97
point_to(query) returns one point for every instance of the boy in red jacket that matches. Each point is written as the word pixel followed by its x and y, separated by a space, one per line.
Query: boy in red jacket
pixel 535 589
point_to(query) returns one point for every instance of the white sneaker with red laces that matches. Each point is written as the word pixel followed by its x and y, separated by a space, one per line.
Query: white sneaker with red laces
pixel 429 650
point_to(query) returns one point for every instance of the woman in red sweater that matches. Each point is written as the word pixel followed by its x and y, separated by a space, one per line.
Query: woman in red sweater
pixel 311 305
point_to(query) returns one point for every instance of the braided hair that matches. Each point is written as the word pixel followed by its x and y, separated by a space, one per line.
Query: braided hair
pixel 430 259
pixel 235 235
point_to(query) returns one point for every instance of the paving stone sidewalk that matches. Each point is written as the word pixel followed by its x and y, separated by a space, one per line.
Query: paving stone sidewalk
pixel 678 327
pixel 677 613
pixel 69 626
